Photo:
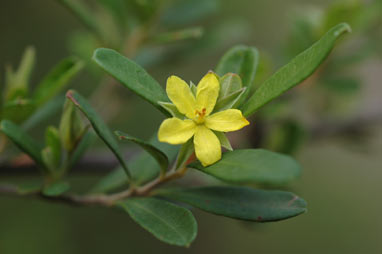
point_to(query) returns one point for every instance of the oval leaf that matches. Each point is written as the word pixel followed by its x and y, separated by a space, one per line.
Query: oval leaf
pixel 243 61
pixel 301 67
pixel 99 126
pixel 168 222
pixel 241 202
pixel 254 166
pixel 157 154
pixel 131 75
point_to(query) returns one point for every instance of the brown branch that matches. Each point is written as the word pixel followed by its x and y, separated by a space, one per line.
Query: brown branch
pixel 97 199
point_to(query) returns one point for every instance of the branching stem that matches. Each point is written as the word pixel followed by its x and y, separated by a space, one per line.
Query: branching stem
pixel 99 199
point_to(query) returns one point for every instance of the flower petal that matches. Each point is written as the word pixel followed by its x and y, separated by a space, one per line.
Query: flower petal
pixel 175 131
pixel 207 146
pixel 226 120
pixel 207 93
pixel 180 94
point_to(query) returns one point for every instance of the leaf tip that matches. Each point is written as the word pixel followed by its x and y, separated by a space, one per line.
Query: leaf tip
pixel 345 27
pixel 70 96
pixel 98 52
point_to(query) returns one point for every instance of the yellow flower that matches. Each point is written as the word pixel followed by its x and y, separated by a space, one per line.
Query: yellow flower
pixel 198 122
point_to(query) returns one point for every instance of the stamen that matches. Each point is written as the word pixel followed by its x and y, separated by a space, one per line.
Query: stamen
pixel 200 115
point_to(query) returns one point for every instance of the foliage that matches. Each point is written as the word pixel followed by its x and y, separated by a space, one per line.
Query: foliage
pixel 136 186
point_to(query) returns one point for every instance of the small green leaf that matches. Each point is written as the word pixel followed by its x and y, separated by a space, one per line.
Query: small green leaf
pixel 254 166
pixel 229 84
pixel 240 202
pixel 99 126
pixel 301 67
pixel 157 154
pixel 184 154
pixel 223 140
pixel 230 93
pixel 131 75
pixel 56 80
pixel 86 140
pixel 71 126
pixel 193 88
pixel 17 82
pixel 56 189
pixel 144 168
pixel 48 159
pixel 243 61
pixel 171 108
pixel 21 139
pixel 231 101
pixel 168 222
pixel 51 154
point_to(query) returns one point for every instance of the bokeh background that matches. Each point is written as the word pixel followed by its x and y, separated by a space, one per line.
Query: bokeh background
pixel 340 149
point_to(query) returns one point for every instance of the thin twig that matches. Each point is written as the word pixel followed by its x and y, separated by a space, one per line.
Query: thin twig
pixel 97 199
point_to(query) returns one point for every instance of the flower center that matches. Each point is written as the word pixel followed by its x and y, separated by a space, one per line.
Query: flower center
pixel 199 119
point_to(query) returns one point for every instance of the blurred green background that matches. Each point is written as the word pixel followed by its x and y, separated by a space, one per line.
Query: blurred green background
pixel 342 173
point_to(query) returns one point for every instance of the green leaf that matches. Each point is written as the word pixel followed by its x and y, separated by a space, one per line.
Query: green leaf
pixel 185 151
pixel 143 168
pixel 56 189
pixel 99 126
pixel 169 223
pixel 240 202
pixel 243 61
pixel 171 108
pixel 71 126
pixel 223 140
pixel 229 84
pixel 157 154
pixel 253 166
pixel 22 140
pixel 193 88
pixel 231 101
pixel 56 80
pixel 51 154
pixel 301 67
pixel 230 93
pixel 17 82
pixel 132 76
pixel 81 147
